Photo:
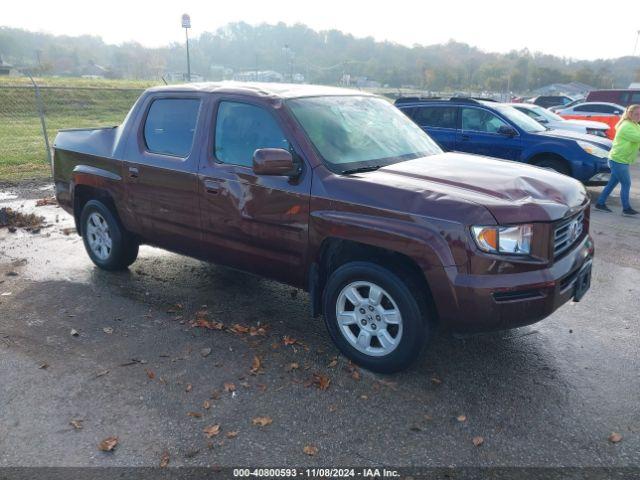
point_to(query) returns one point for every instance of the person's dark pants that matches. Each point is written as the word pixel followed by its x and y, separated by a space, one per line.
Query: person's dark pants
pixel 619 174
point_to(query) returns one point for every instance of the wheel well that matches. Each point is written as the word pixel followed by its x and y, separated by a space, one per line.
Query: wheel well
pixel 538 157
pixel 336 252
pixel 82 194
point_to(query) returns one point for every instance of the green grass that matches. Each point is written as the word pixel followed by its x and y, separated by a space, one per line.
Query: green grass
pixel 88 103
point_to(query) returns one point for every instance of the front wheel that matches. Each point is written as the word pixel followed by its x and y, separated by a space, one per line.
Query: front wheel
pixel 374 318
pixel 108 244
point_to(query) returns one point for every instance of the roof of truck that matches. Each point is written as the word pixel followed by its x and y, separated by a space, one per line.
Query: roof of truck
pixel 259 89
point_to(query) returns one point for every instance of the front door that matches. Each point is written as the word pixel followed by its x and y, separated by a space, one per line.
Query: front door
pixel 479 134
pixel 253 222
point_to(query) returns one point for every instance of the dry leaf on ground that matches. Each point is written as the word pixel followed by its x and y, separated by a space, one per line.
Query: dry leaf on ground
pixel 262 421
pixel 164 459
pixel 194 414
pixel 461 418
pixel 108 444
pixel 76 423
pixel 150 374
pixel 310 450
pixel 256 365
pixel 212 430
pixel 477 441
pixel 206 404
pixel 188 388
pixel 615 437
pixel 229 387
pixel 233 434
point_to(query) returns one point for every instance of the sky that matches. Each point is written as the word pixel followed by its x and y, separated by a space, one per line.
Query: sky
pixel 567 28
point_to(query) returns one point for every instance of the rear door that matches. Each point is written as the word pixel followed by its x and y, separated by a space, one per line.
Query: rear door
pixel 440 122
pixel 479 134
pixel 160 171
pixel 253 222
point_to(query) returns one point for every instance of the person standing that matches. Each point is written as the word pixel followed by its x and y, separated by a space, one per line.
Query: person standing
pixel 623 154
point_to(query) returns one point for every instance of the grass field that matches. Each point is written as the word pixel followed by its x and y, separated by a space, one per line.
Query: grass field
pixel 68 103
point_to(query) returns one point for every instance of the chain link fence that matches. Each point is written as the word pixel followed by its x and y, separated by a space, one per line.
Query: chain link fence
pixel 31 114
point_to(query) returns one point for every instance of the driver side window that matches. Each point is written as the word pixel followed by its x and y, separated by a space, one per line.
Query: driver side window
pixel 241 129
pixel 478 120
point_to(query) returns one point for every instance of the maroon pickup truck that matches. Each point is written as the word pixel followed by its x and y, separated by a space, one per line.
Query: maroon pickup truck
pixel 336 192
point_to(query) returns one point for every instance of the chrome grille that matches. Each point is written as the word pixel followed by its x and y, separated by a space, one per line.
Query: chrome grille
pixel 567 233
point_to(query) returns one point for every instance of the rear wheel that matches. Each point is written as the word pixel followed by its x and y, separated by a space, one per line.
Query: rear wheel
pixel 108 244
pixel 553 164
pixel 374 318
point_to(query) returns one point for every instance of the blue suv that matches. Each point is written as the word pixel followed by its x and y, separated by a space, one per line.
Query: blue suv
pixel 499 130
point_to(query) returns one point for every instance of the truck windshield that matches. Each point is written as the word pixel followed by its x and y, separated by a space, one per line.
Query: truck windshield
pixel 357 133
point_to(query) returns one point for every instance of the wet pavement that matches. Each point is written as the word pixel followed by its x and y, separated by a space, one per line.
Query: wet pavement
pixel 546 395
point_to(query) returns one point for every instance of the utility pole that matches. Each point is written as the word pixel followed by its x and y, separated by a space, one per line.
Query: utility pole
pixel 186 24
pixel 636 45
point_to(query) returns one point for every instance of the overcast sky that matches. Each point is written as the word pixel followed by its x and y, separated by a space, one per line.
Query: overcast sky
pixel 565 28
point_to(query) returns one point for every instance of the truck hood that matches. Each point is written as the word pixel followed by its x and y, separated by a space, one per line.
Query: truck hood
pixel 512 192
pixel 571 135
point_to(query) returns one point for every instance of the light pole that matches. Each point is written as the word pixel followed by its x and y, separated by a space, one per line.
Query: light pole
pixel 186 24
pixel 636 44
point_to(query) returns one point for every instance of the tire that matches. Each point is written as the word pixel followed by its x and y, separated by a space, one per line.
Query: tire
pixel 553 164
pixel 108 244
pixel 406 333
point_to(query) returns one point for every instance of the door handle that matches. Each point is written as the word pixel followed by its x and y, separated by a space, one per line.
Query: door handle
pixel 212 186
pixel 133 172
pixel 465 137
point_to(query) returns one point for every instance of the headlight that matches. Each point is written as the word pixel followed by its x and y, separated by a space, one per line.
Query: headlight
pixel 597 132
pixel 591 149
pixel 514 240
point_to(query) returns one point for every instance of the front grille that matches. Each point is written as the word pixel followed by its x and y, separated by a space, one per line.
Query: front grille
pixel 567 233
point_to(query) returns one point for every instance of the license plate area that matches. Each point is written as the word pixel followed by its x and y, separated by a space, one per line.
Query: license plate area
pixel 582 282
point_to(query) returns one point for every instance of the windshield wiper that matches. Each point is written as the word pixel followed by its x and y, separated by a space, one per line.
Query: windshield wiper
pixel 370 168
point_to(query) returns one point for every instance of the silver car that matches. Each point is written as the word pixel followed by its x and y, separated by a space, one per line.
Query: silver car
pixel 556 122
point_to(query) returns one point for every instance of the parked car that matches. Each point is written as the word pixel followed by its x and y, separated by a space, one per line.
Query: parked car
pixel 624 97
pixel 547 101
pixel 590 109
pixel 499 130
pixel 556 122
pixel 336 192
pixel 570 104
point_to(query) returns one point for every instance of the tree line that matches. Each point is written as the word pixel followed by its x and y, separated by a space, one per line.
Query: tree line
pixel 320 56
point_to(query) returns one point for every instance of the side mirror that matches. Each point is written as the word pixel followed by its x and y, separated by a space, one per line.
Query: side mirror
pixel 507 130
pixel 273 161
pixel 542 120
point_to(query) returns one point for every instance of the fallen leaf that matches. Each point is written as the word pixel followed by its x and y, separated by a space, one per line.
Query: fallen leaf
pixel 194 414
pixel 355 374
pixel 477 441
pixel 43 366
pixel 46 201
pixel 388 383
pixel 333 363
pixel 364 397
pixel 428 417
pixel 215 395
pixel 254 331
pixel 74 332
pixel 108 444
pixel 229 387
pixel 150 374
pixel 262 421
pixel 212 430
pixel 188 388
pixel 237 328
pixel 231 434
pixel 205 352
pixel 76 423
pixel 310 450
pixel 261 386
pixel 256 365
pixel 102 373
pixel 333 408
pixel 206 405
pixel 436 380
pixel 292 366
pixel 615 437
pixel 320 381
pixel 461 418
pixel 287 340
pixel 164 459
pixel 108 330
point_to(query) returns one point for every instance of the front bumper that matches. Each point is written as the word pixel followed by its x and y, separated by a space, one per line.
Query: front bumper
pixel 496 302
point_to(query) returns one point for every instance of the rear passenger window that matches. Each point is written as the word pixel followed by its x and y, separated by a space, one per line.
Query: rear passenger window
pixel 170 125
pixel 441 117
pixel 241 129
